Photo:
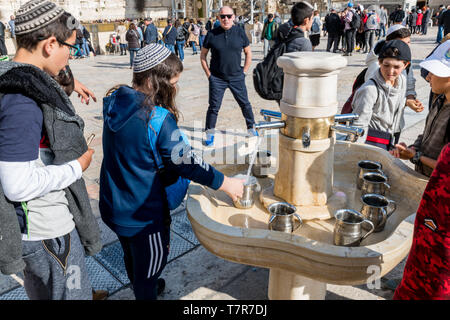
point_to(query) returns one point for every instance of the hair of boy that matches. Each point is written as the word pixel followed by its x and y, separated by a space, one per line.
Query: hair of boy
pixel 300 11
pixel 270 16
pixel 399 34
pixel 62 29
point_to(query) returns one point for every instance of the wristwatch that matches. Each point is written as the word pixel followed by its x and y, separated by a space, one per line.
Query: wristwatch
pixel 416 159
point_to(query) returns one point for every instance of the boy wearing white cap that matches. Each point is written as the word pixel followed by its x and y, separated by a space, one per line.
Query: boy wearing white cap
pixel 426 149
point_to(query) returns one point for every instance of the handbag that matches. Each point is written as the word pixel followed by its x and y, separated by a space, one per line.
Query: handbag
pixel 175 192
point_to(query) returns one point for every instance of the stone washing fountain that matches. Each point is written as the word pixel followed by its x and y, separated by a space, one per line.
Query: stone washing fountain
pixel 317 175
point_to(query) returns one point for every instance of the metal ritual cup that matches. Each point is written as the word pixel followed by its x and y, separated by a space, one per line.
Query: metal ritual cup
pixel 348 228
pixel 365 166
pixel 377 209
pixel 374 182
pixel 282 217
pixel 262 164
pixel 247 201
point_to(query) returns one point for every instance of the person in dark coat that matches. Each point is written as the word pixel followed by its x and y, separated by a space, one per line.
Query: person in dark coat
pixel 334 28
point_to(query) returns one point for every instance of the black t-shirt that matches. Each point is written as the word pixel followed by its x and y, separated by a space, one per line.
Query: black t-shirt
pixel 226 51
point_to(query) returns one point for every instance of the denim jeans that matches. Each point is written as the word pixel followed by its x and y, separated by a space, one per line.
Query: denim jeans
pixel 86 51
pixel 382 29
pixel 201 39
pixel 180 47
pixel 123 48
pixel 440 34
pixel 171 47
pixel 350 40
pixel 56 269
pixel 194 48
pixel 217 87
pixel 133 55
pixel 369 37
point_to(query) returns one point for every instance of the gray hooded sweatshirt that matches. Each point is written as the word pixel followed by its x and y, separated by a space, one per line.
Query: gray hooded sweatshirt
pixel 65 134
pixel 380 106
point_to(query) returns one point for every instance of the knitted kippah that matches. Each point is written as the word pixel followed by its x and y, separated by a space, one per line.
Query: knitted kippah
pixel 149 57
pixel 36 14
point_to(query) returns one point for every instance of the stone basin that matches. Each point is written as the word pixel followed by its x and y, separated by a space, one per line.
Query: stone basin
pixel 307 258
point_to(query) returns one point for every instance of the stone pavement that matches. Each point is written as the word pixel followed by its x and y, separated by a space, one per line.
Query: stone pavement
pixel 193 272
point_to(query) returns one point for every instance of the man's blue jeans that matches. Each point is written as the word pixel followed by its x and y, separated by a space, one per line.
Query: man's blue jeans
pixel 217 87
pixel 440 34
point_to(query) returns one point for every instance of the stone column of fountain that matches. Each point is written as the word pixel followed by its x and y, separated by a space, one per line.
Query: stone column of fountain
pixel 306 154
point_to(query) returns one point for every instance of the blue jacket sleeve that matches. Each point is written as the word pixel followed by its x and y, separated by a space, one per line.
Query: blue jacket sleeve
pixel 178 156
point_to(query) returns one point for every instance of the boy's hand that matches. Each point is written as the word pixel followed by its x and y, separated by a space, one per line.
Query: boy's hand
pixel 233 187
pixel 402 151
pixel 415 105
pixel 83 92
pixel 85 159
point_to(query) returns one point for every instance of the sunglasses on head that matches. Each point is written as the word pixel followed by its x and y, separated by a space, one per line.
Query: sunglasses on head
pixel 229 16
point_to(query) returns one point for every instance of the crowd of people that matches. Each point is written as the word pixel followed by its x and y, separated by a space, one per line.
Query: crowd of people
pixel 45 214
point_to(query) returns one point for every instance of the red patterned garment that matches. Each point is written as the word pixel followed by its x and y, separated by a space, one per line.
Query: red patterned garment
pixel 427 271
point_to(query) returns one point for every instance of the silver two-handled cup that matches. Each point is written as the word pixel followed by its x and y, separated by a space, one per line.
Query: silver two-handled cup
pixel 374 182
pixel 365 166
pixel 282 217
pixel 247 200
pixel 348 229
pixel 377 209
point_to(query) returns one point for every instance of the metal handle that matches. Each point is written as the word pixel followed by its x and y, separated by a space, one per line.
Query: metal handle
pixel 384 219
pixel 299 219
pixel 387 185
pixel 271 220
pixel 392 203
pixel 269 125
pixel 372 228
pixel 268 114
pixel 346 117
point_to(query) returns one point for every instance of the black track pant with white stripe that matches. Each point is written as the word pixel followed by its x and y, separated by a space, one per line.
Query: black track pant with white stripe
pixel 145 256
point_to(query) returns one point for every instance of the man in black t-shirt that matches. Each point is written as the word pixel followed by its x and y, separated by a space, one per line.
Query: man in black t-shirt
pixel 226 44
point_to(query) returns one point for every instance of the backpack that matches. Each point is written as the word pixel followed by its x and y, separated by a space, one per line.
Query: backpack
pixel 196 30
pixel 315 27
pixel 372 22
pixel 356 21
pixel 359 81
pixel 180 34
pixel 267 76
pixel 176 191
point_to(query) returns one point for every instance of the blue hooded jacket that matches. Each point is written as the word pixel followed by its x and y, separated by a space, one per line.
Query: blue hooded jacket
pixel 132 194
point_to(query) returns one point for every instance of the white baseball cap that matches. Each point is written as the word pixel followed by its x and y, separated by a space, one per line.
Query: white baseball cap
pixel 438 63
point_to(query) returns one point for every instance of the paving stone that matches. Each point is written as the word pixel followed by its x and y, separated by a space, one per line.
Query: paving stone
pixel 16 294
pixel 100 278
pixel 182 226
pixel 108 236
pixel 7 283
pixel 111 258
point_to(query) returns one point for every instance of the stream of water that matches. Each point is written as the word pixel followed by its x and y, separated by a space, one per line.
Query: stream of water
pixel 252 160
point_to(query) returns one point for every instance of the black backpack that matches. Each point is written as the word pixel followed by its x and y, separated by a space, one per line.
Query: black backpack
pixel 356 21
pixel 267 76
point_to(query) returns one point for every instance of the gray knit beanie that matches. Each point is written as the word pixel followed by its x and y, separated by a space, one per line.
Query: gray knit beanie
pixel 36 14
pixel 149 57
